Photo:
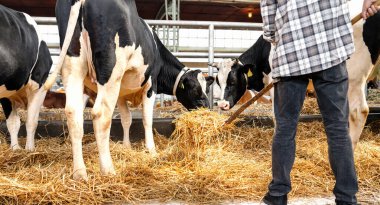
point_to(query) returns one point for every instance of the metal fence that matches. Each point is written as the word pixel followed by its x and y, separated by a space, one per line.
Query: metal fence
pixel 206 41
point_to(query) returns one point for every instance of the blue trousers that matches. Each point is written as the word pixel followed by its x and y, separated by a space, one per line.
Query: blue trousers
pixel 331 87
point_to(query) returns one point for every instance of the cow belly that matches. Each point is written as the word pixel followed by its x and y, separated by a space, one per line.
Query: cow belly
pixel 5 93
pixel 132 81
pixel 20 97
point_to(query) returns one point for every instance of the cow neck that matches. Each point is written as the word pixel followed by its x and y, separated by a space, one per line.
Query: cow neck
pixel 179 76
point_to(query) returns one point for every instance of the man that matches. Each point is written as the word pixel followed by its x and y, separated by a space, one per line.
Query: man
pixel 311 39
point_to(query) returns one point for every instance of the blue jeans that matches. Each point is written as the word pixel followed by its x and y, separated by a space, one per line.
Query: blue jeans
pixel 331 87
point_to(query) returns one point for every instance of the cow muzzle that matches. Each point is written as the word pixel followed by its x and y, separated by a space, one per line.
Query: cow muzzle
pixel 224 105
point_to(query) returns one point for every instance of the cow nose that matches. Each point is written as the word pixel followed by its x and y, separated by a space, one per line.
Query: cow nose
pixel 224 105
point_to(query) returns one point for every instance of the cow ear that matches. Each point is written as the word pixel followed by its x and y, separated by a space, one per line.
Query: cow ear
pixel 214 65
pixel 182 83
pixel 235 60
pixel 181 86
pixel 209 80
pixel 246 68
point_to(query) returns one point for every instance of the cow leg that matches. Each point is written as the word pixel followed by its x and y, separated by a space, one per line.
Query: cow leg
pixel 72 77
pixel 13 122
pixel 126 120
pixel 358 112
pixel 85 100
pixel 35 101
pixel 148 105
pixel 102 116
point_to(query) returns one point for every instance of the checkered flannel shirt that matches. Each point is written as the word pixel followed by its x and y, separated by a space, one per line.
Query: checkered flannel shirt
pixel 309 35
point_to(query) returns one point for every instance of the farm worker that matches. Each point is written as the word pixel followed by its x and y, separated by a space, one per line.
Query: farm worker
pixel 311 39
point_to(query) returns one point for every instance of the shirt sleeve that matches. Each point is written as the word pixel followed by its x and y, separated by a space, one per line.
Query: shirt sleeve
pixel 268 12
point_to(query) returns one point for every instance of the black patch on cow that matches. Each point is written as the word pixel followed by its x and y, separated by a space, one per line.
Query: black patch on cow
pixel 103 20
pixel 236 84
pixel 7 106
pixel 62 13
pixel 43 65
pixel 210 80
pixel 256 58
pixel 19 42
pixel 170 68
pixel 371 36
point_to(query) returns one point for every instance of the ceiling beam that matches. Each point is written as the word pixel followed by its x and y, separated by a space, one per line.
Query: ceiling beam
pixel 226 1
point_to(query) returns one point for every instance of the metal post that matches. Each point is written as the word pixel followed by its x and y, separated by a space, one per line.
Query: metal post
pixel 211 60
pixel 165 38
pixel 174 18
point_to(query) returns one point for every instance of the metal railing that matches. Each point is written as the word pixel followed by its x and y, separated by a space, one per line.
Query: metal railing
pixel 210 25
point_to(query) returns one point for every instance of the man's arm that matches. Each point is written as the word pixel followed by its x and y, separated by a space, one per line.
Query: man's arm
pixel 268 12
pixel 370 8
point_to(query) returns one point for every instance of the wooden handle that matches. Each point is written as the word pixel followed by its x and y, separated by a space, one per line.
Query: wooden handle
pixel 248 103
pixel 359 16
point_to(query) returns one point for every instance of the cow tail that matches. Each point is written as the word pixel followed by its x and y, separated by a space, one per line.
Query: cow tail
pixel 74 14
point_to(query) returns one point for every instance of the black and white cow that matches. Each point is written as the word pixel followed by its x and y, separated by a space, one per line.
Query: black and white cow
pixel 232 73
pixel 233 78
pixel 25 63
pixel 115 53
pixel 359 67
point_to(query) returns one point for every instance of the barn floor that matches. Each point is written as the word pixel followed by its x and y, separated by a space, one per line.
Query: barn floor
pixel 234 170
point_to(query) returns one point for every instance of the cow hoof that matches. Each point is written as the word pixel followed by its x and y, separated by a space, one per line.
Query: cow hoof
pixel 108 171
pixel 29 148
pixel 15 147
pixel 127 145
pixel 80 174
pixel 153 152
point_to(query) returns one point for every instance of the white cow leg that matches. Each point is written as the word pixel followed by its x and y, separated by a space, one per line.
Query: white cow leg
pixel 74 113
pixel 85 100
pixel 358 114
pixel 148 105
pixel 126 121
pixel 102 116
pixel 13 125
pixel 35 101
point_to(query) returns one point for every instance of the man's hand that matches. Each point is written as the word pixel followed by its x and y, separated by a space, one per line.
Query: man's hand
pixel 369 8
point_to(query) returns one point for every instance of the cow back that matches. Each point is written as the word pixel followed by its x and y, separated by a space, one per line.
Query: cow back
pixel 19 45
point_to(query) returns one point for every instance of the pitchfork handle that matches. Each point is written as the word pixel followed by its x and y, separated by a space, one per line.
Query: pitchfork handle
pixel 359 16
pixel 248 103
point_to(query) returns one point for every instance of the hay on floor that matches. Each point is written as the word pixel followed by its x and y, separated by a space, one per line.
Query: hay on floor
pixel 203 163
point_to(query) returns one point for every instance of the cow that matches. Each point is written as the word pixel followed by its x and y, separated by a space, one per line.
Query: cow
pixel 360 66
pixel 25 63
pixel 232 73
pixel 109 49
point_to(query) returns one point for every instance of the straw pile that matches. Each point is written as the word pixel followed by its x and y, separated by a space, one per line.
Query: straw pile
pixel 373 97
pixel 203 163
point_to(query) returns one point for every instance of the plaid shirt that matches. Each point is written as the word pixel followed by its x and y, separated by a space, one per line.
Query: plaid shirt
pixel 309 35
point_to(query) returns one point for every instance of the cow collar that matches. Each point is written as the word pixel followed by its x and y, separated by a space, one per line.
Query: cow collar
pixel 183 71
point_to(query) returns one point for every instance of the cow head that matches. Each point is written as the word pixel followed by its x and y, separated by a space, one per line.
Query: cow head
pixel 233 81
pixel 192 88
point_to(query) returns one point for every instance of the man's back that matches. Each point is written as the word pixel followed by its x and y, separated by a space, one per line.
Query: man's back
pixel 310 35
